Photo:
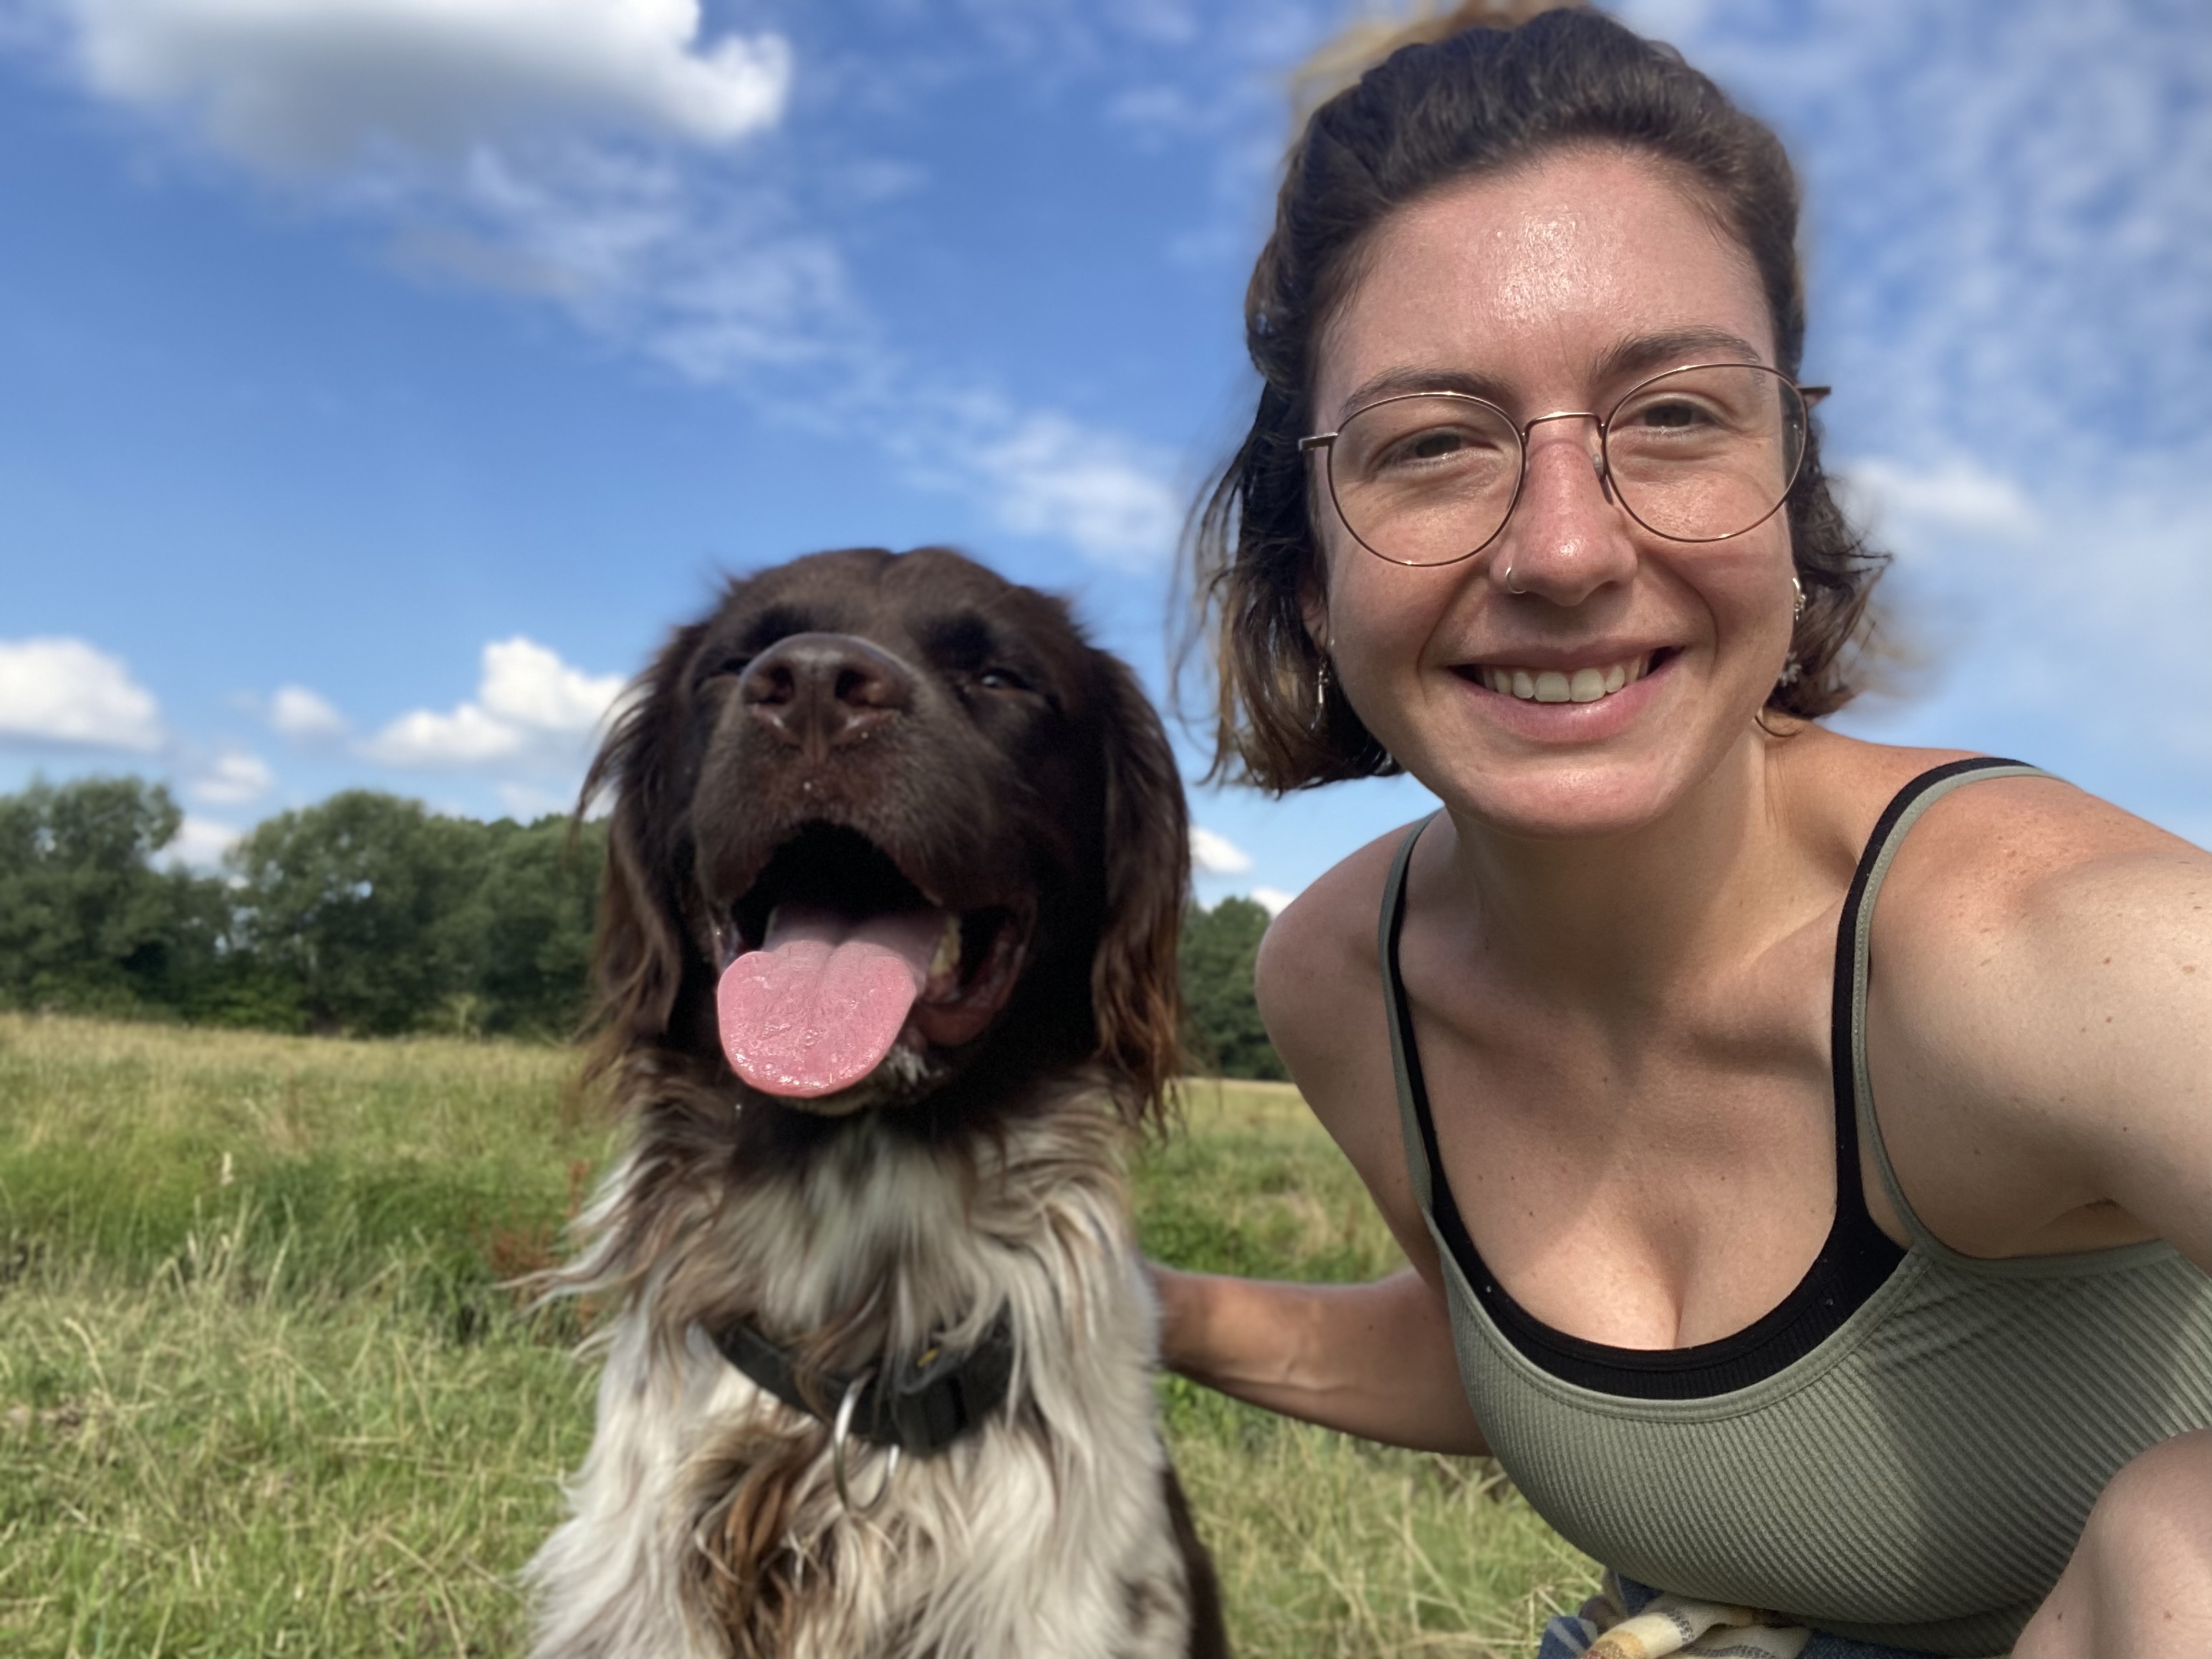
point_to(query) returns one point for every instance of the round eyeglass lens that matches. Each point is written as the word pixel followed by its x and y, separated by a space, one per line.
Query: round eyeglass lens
pixel 1426 478
pixel 1703 455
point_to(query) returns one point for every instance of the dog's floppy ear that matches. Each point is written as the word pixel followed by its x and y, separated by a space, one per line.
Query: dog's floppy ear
pixel 1133 987
pixel 638 958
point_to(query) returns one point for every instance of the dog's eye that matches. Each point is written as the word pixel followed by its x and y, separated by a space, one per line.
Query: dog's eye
pixel 1002 679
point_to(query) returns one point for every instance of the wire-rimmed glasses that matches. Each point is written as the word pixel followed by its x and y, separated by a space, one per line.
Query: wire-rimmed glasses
pixel 1697 454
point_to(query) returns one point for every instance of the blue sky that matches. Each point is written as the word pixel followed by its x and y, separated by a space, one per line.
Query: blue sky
pixel 379 379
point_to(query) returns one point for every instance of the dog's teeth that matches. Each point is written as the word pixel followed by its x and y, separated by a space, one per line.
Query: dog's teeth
pixel 729 944
pixel 948 948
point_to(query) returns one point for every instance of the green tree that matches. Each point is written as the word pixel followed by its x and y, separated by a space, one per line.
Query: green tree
pixel 360 903
pixel 86 923
pixel 530 924
pixel 1223 1018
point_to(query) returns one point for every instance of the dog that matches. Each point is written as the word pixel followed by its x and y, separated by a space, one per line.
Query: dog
pixel 886 968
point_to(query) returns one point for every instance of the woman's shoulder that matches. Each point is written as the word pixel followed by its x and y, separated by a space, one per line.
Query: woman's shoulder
pixel 1318 978
pixel 1994 847
pixel 1989 843
pixel 1326 934
pixel 2040 1015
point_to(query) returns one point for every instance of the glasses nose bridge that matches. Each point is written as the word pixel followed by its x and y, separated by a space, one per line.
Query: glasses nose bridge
pixel 1598 459
pixel 1536 421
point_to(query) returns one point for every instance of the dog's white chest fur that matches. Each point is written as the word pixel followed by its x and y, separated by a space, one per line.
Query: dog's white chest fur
pixel 705 1522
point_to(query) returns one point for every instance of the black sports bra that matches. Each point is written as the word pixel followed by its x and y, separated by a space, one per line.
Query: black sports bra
pixel 1854 1261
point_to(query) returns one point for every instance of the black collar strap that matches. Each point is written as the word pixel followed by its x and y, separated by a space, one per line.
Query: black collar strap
pixel 931 1400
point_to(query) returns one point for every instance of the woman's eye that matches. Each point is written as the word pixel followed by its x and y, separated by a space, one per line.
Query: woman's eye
pixel 1444 447
pixel 1675 412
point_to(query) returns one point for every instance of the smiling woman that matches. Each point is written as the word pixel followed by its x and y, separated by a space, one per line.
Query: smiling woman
pixel 1842 1261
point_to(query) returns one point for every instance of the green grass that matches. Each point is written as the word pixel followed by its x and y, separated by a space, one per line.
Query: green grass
pixel 261 1391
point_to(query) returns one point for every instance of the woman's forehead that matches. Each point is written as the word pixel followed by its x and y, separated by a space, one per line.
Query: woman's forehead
pixel 1549 271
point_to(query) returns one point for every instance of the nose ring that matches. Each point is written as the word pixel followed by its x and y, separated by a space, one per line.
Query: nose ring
pixel 1509 587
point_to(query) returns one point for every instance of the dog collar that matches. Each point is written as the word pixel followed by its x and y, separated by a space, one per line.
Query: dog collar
pixel 921 1405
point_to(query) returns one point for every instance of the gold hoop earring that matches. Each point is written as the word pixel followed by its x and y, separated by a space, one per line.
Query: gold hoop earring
pixel 1797 607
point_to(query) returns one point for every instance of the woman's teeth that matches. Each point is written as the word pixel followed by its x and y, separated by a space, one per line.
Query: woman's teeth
pixel 1563 685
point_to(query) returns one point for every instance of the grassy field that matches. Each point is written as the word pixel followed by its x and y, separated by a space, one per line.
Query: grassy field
pixel 261 1391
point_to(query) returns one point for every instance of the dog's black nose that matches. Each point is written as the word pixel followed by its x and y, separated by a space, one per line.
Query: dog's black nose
pixel 822 690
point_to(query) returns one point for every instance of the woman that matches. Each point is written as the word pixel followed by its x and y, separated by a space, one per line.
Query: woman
pixel 1842 1259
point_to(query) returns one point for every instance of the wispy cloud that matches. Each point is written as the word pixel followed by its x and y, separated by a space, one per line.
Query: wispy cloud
pixel 589 155
pixel 533 713
pixel 66 692
pixel 234 778
pixel 1216 854
pixel 303 715
pixel 1957 495
pixel 2013 238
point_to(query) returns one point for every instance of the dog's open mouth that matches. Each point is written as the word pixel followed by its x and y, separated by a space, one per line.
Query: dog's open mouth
pixel 833 959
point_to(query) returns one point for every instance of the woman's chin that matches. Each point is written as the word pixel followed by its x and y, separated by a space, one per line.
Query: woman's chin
pixel 1586 802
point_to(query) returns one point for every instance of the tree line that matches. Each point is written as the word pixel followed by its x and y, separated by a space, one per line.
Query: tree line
pixel 369 915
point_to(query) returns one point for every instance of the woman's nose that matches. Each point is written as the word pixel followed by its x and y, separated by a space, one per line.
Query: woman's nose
pixel 1567 538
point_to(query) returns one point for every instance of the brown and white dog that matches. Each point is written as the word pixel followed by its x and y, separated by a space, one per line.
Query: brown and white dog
pixel 886 963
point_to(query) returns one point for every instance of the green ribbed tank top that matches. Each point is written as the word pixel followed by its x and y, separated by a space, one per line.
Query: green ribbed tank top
pixel 1918 1475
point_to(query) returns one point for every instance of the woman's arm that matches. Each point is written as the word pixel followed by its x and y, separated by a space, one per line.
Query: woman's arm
pixel 1373 1359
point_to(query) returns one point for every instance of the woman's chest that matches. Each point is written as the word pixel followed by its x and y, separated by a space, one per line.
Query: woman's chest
pixel 1656 1206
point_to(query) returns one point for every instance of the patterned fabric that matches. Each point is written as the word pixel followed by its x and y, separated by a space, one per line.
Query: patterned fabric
pixel 1628 1620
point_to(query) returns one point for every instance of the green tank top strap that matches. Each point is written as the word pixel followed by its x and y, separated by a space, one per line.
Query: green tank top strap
pixel 1922 792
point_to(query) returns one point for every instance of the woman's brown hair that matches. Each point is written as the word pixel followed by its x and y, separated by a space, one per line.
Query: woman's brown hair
pixel 1465 98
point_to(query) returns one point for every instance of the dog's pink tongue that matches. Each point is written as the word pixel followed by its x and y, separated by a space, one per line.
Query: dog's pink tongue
pixel 819 1005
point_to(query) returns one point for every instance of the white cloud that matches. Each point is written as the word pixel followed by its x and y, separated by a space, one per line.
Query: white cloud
pixel 63 690
pixel 1037 472
pixel 237 776
pixel 1216 854
pixel 1048 475
pixel 297 713
pixel 1272 899
pixel 201 843
pixel 531 710
pixel 527 683
pixel 1958 495
pixel 292 85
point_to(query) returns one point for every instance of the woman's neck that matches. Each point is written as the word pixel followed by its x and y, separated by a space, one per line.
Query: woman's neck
pixel 1621 918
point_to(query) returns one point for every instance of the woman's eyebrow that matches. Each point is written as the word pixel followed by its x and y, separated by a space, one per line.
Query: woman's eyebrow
pixel 1643 354
pixel 1397 382
pixel 1676 347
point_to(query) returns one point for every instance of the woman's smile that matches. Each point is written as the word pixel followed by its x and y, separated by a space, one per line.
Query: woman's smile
pixel 1572 697
pixel 1534 683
